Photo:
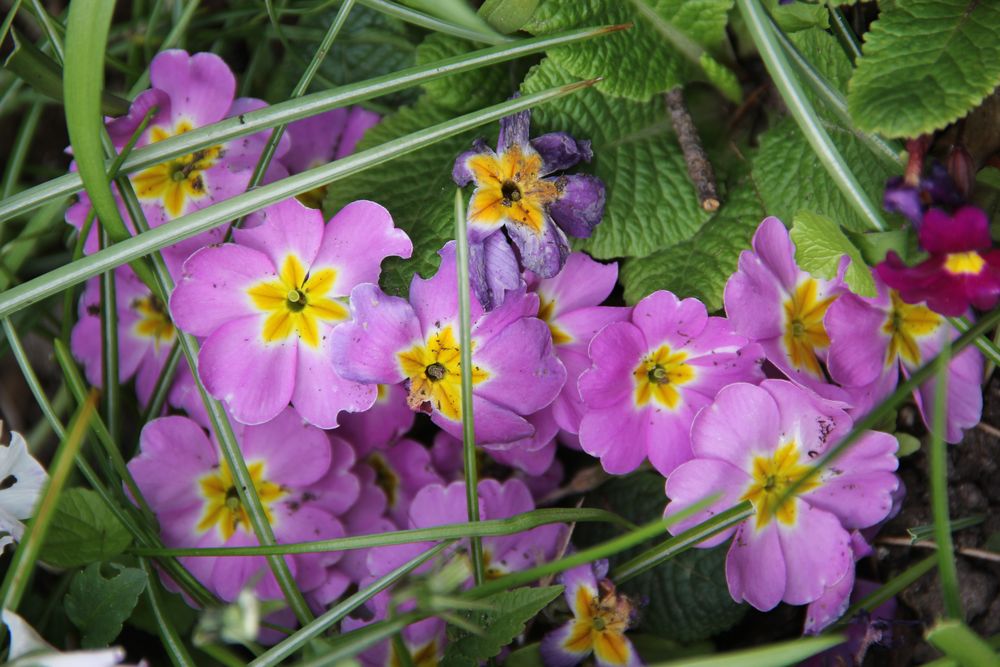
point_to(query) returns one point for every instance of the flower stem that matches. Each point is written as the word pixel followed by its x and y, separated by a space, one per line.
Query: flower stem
pixel 938 456
pixel 465 345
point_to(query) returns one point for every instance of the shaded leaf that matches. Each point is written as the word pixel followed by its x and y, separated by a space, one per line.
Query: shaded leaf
pixel 465 91
pixel 98 605
pixel 505 619
pixel 83 531
pixel 819 247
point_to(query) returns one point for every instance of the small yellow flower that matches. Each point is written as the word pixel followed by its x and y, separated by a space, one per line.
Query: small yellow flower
pixel 223 509
pixel 804 329
pixel 658 376
pixel 154 321
pixel 509 185
pixel 904 324
pixel 772 476
pixel 435 372
pixel 178 180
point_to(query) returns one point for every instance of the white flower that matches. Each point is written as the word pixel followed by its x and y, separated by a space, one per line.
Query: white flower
pixel 21 482
pixel 28 649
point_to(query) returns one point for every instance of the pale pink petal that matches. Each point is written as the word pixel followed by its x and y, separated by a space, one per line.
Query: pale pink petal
pixel 698 480
pixel 817 554
pixel 381 326
pixel 742 422
pixel 201 87
pixel 755 567
pixel 287 229
pixel 320 393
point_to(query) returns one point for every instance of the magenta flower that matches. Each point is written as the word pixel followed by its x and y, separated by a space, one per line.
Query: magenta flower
pixel 401 471
pixel 515 190
pixel 192 492
pixel 651 375
pixel 775 303
pixel 439 505
pixel 601 616
pixel 323 138
pixel 389 340
pixel 145 333
pixel 752 444
pixel 570 304
pixel 962 271
pixel 872 339
pixel 425 640
pixel 381 425
pixel 188 91
pixel 267 306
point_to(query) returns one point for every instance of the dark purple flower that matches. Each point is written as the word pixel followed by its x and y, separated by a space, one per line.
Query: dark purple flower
pixel 517 191
pixel 962 271
pixel 913 199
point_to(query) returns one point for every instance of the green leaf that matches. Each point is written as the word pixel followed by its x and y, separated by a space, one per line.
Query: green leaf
pixel 83 531
pixel 721 77
pixel 505 619
pixel 908 444
pixel 798 16
pixel 462 92
pixel 700 266
pixel 98 606
pixel 688 596
pixel 925 64
pixel 819 247
pixel 508 16
pixel 636 63
pixel 790 178
pixel 416 189
pixel 651 202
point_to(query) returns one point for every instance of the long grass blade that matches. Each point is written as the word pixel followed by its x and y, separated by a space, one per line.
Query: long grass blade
pixel 437 25
pixel 774 655
pixel 189 225
pixel 938 458
pixel 889 589
pixel 292 110
pixel 171 641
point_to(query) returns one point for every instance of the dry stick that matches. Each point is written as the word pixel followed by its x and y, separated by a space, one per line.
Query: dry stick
pixel 698 166
pixel 982 554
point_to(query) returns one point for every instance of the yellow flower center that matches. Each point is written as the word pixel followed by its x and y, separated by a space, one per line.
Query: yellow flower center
pixel 154 321
pixel 177 180
pixel 772 475
pixel 509 185
pixel 658 376
pixel 904 324
pixel 804 330
pixel 297 302
pixel 964 263
pixel 599 625
pixel 435 372
pixel 223 509
pixel 546 308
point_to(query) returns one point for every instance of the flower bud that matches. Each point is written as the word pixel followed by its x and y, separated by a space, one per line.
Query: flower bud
pixel 961 168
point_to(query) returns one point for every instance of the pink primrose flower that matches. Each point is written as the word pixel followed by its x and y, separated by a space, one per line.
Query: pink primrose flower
pixel 753 443
pixel 267 306
pixel 872 339
pixel 389 339
pixel 651 375
pixel 191 490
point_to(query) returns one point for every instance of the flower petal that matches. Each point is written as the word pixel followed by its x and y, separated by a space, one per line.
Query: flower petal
pixel 580 206
pixel 364 349
pixel 755 567
pixel 817 554
pixel 320 393
pixel 287 229
pixel 697 480
pixel 743 420
pixel 201 87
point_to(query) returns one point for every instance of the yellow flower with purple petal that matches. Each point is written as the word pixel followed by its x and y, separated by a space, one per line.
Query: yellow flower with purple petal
pixel 517 189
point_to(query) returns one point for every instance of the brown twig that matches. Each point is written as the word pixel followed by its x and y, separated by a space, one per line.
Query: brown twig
pixel 981 554
pixel 698 167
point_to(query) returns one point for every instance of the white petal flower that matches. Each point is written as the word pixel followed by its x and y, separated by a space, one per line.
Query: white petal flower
pixel 21 481
pixel 27 648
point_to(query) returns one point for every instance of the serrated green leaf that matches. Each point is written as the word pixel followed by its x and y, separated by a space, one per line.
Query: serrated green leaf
pixel 636 63
pixel 505 619
pixel 722 78
pixel 651 202
pixel 797 16
pixel 462 92
pixel 819 247
pixel 790 178
pixel 416 189
pixel 925 64
pixel 508 16
pixel 83 531
pixel 700 266
pixel 688 598
pixel 98 606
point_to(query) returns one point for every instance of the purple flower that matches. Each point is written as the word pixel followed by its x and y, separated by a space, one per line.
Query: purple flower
pixel 267 306
pixel 323 138
pixel 872 339
pixel 389 340
pixel 381 425
pixel 401 471
pixel 775 303
pixel 515 191
pixel 651 375
pixel 439 505
pixel 188 92
pixel 570 304
pixel 752 444
pixel 192 493
pixel 862 632
pixel 913 200
pixel 962 271
pixel 424 640
pixel 145 333
pixel 601 616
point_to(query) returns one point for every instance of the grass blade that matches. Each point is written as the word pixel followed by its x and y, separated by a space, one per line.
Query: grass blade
pixel 890 588
pixel 292 110
pixel 938 460
pixel 424 21
pixel 774 655
pixel 469 463
pixel 962 645
pixel 189 225
pixel 760 29
pixel 172 642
